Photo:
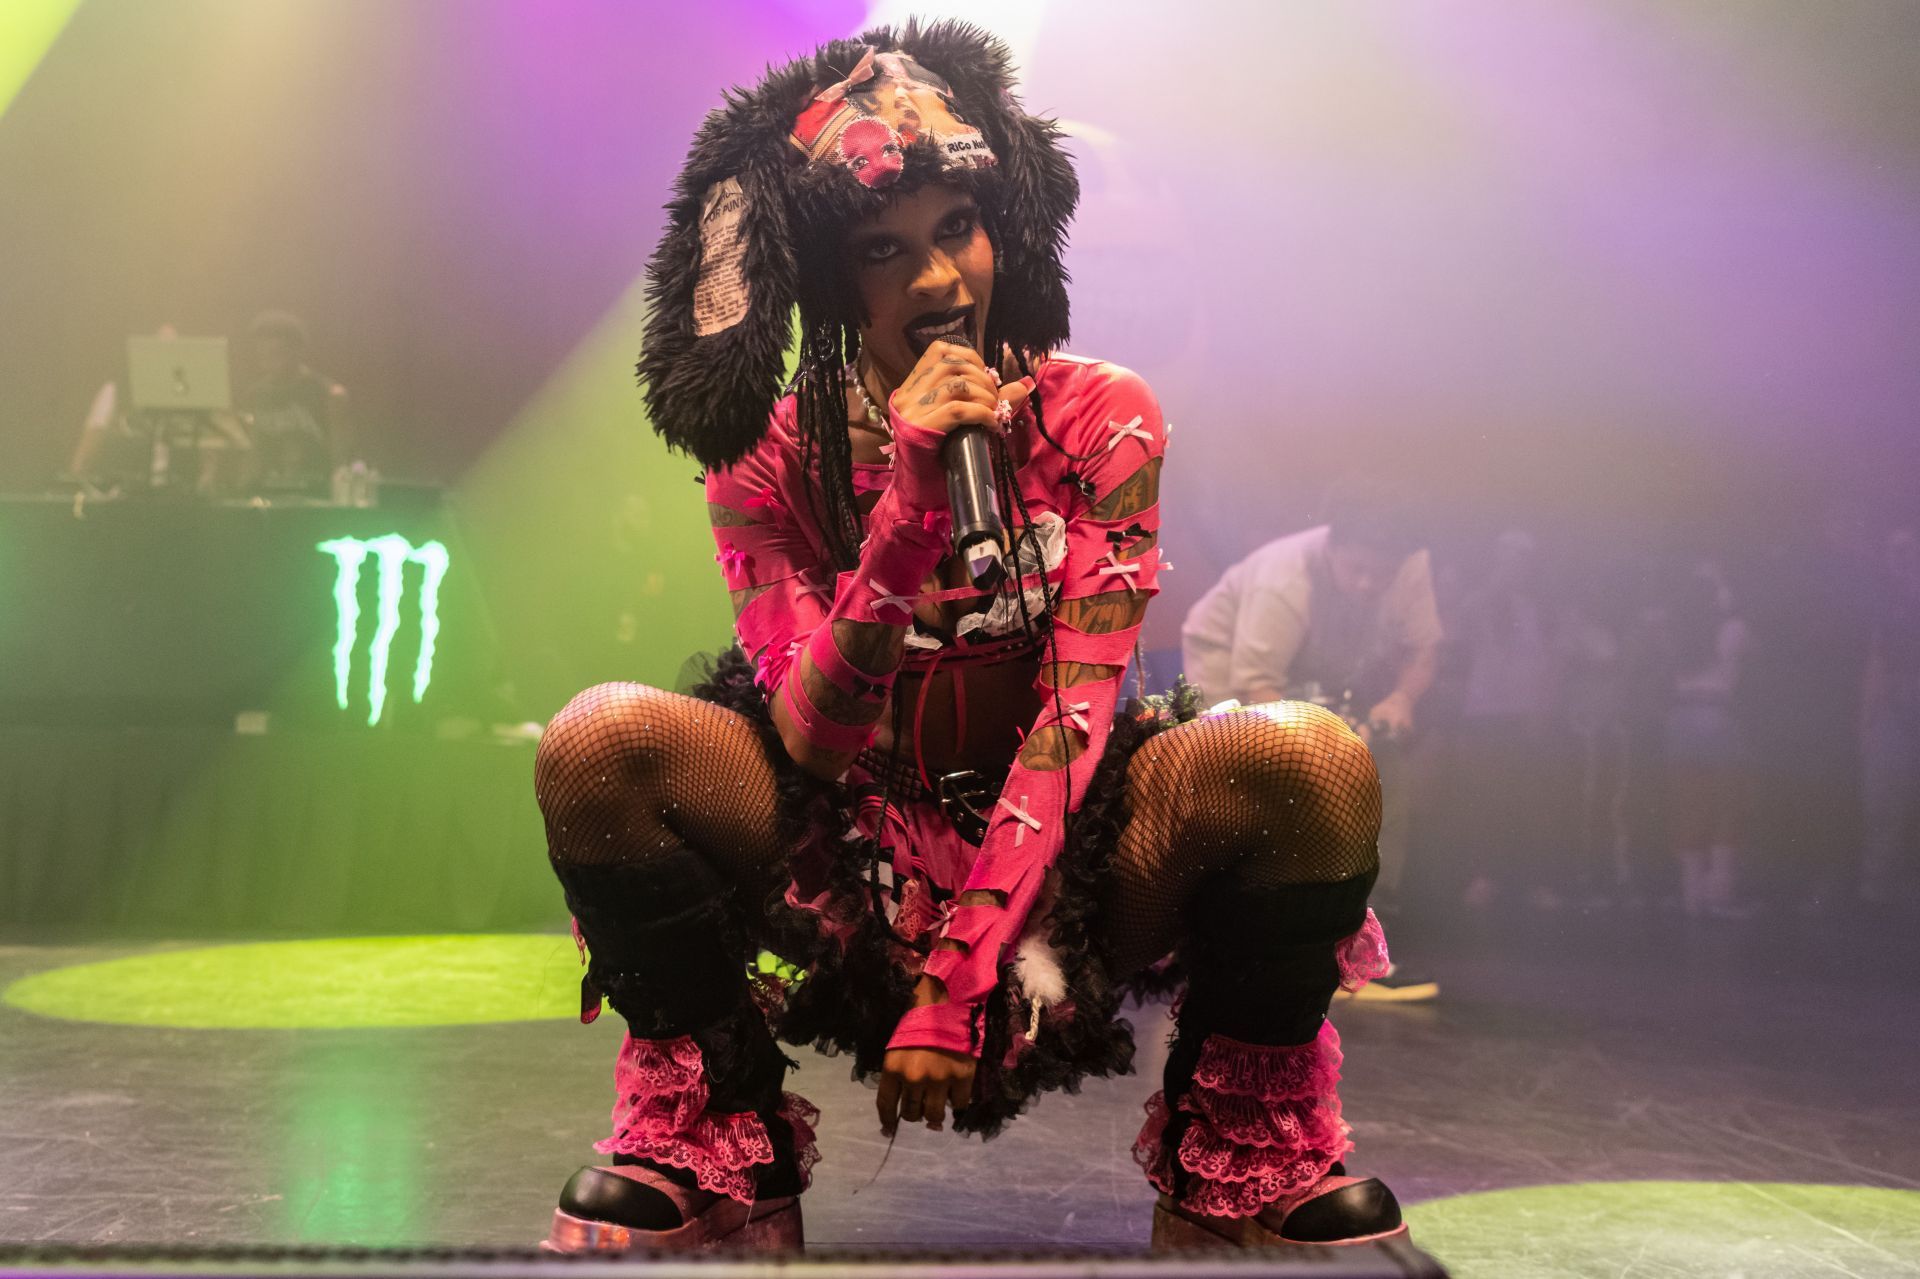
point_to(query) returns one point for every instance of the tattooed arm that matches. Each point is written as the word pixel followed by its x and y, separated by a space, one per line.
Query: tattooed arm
pixel 872 650
pixel 826 646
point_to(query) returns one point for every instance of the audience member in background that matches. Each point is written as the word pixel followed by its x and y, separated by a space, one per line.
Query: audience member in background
pixel 1891 724
pixel 122 449
pixel 1706 756
pixel 1342 614
pixel 297 417
pixel 1508 774
pixel 1646 678
pixel 1809 597
pixel 1593 716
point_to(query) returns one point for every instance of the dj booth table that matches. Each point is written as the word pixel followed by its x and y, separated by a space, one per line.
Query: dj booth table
pixel 174 755
pixel 165 612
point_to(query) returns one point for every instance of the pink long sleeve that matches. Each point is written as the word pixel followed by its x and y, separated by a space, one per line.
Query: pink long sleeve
pixel 785 594
pixel 1118 423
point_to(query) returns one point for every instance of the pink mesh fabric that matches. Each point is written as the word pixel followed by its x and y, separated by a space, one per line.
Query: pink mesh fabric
pixel 661 1114
pixel 1363 956
pixel 1266 1126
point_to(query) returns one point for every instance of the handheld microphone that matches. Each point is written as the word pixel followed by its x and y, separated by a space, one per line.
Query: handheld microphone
pixel 979 534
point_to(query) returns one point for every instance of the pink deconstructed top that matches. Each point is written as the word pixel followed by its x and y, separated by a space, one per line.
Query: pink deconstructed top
pixel 1108 427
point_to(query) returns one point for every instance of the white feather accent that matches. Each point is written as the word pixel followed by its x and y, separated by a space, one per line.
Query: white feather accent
pixel 1037 965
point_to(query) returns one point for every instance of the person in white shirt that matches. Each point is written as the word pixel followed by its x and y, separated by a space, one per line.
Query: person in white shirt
pixel 1342 614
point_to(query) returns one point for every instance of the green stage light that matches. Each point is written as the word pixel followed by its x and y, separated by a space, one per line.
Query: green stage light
pixel 1672 1228
pixel 28 29
pixel 329 984
pixel 592 539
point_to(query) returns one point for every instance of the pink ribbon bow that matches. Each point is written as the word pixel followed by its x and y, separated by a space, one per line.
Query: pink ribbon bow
pixel 1121 430
pixel 769 501
pixel 1126 571
pixel 1027 820
pixel 861 73
pixel 810 587
pixel 885 599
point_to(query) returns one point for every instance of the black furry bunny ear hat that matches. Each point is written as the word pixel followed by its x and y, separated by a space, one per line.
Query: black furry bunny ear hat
pixel 777 176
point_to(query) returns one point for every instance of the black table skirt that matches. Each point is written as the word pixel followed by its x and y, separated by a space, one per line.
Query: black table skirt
pixel 195 832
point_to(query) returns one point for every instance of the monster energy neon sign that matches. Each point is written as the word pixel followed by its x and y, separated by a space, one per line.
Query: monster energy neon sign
pixel 391 554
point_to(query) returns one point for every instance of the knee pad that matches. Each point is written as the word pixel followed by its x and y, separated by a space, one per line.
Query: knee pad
pixel 1263 963
pixel 663 940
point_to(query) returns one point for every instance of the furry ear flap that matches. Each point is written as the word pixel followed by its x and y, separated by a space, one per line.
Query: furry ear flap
pixel 721 292
pixel 1037 195
pixel 1034 188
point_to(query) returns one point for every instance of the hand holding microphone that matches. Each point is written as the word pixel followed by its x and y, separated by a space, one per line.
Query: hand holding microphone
pixel 952 391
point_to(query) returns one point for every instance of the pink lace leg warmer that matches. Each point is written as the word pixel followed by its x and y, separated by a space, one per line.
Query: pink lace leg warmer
pixel 1265 1121
pixel 661 1114
pixel 1265 1126
pixel 1363 955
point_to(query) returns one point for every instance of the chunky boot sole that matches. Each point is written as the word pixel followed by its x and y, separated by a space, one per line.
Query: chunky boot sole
pixel 771 1225
pixel 1174 1230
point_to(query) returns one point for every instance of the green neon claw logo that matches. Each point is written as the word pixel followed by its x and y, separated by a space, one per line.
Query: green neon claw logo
pixel 391 554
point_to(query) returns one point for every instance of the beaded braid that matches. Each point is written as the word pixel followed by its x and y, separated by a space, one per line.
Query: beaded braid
pixel 820 401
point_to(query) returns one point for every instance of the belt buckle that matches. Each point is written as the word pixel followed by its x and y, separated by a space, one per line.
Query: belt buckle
pixel 967 798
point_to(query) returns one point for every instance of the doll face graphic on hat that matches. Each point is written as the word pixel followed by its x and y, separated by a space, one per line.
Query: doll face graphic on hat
pixel 906 101
pixel 871 148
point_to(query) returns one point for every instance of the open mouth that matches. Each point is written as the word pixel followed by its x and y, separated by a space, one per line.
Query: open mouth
pixel 941 326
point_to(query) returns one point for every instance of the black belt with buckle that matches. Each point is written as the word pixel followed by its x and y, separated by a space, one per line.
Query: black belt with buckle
pixel 966 796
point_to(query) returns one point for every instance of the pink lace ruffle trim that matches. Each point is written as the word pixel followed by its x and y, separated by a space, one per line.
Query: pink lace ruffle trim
pixel 1265 1125
pixel 804 1118
pixel 1363 956
pixel 661 1113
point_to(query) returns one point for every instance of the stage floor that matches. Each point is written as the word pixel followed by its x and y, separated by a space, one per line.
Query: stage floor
pixel 1565 1049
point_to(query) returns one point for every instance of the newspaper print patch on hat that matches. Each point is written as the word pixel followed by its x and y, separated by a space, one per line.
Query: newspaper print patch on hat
pixel 720 295
pixel 886 103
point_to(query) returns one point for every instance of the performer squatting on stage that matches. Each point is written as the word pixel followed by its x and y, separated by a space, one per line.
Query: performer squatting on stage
pixel 916 794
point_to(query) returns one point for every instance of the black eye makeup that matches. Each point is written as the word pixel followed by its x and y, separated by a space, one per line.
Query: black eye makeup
pixel 877 250
pixel 960 222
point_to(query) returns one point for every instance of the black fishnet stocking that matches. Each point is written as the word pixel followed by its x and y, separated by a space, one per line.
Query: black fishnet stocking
pixel 661 825
pixel 1261 823
pixel 1250 802
pixel 627 774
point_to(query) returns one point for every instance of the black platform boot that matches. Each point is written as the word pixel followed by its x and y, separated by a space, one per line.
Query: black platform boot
pixel 1246 1139
pixel 707 1149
